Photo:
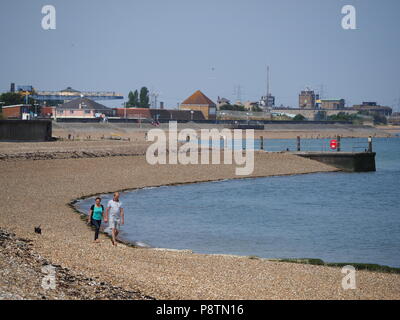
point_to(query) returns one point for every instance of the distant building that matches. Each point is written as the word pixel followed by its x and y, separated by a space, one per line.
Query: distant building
pixel 332 103
pixel 19 111
pixel 373 107
pixel 133 113
pixel 250 105
pixel 25 88
pixel 394 118
pixel 267 102
pixel 65 95
pixel 307 99
pixel 222 101
pixel 82 108
pixel 162 115
pixel 198 101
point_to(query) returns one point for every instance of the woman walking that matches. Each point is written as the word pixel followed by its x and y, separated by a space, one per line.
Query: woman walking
pixel 95 216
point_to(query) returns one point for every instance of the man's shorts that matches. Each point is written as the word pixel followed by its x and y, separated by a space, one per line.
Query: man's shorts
pixel 114 223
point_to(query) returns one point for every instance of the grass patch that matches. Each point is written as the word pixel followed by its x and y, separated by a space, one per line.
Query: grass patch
pixel 358 266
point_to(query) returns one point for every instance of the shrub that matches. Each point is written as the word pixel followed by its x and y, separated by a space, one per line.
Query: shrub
pixel 299 117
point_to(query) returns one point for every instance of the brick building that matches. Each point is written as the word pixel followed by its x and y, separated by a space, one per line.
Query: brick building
pixel 19 111
pixel 198 101
pixel 307 99
pixel 332 104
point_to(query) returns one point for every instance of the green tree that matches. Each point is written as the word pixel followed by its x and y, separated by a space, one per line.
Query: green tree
pixel 233 107
pixel 144 98
pixel 130 100
pixel 133 99
pixel 136 99
pixel 342 116
pixel 11 98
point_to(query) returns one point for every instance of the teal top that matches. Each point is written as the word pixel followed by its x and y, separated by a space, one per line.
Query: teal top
pixel 97 212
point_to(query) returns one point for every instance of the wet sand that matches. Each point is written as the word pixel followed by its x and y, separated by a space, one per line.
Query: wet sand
pixel 37 192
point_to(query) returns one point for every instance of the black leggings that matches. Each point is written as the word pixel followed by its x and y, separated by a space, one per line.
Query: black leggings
pixel 96 224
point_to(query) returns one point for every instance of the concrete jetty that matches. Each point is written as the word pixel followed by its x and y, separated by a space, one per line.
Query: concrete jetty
pixel 346 161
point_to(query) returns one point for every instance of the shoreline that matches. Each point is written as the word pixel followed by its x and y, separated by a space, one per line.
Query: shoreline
pixel 83 216
pixel 364 265
pixel 38 192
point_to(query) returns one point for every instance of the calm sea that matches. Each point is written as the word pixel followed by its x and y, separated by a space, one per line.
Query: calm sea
pixel 337 217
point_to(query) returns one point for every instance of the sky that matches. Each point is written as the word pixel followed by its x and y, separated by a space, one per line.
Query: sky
pixel 175 47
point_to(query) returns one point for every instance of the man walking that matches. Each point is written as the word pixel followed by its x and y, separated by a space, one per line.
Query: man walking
pixel 114 216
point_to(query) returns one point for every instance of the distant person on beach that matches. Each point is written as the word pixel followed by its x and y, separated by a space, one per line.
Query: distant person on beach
pixel 114 216
pixel 95 216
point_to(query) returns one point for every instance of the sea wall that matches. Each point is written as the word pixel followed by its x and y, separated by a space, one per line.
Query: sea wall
pixel 25 130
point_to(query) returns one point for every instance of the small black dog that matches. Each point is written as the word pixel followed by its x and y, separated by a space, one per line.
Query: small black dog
pixel 38 230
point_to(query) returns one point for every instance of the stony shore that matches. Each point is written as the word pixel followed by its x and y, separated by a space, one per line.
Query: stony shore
pixel 37 192
pixel 21 276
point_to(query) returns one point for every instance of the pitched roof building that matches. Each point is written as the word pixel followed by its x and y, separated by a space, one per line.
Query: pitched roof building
pixel 82 107
pixel 198 101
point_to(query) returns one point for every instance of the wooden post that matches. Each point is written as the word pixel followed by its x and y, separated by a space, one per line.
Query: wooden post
pixel 369 144
pixel 338 143
pixel 298 143
pixel 262 143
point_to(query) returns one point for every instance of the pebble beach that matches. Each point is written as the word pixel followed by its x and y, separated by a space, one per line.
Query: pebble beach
pixel 37 190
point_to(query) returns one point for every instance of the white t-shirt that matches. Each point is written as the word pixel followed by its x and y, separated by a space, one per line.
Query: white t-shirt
pixel 114 210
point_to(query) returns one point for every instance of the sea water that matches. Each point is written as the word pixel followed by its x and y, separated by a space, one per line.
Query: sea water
pixel 337 217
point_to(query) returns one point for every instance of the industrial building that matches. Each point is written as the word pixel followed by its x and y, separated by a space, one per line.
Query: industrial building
pixel 65 95
pixel 373 107
pixel 267 102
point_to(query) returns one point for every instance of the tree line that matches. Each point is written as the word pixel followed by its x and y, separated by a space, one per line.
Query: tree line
pixel 11 98
pixel 138 99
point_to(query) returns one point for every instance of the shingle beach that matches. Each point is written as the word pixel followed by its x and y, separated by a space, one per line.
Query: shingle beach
pixel 38 192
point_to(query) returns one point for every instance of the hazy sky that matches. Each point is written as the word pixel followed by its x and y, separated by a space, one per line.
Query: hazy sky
pixel 175 47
